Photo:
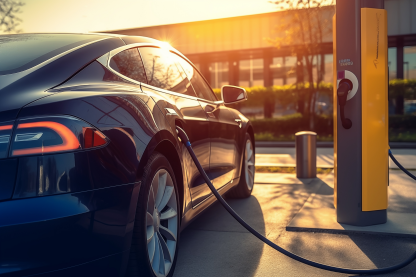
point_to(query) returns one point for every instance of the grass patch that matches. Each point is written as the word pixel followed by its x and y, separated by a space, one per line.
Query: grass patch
pixel 398 169
pixel 275 169
pixel 405 136
pixel 268 136
pixel 288 170
pixel 394 136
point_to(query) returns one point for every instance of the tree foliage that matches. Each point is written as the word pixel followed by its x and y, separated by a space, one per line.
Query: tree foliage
pixel 303 27
pixel 9 21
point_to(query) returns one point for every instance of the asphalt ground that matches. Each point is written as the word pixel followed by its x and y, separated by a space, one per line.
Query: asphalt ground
pixel 216 245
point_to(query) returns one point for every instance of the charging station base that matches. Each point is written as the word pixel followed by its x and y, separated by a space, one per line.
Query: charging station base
pixel 318 213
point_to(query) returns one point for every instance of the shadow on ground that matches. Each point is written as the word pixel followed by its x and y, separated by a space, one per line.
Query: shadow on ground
pixel 215 244
pixel 358 251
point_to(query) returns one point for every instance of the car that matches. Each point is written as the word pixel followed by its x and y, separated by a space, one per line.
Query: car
pixel 410 107
pixel 94 180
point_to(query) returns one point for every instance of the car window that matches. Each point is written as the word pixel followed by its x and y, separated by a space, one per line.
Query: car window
pixel 163 72
pixel 129 63
pixel 203 90
pixel 23 51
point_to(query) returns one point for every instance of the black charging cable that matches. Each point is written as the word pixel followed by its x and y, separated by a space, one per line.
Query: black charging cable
pixel 185 140
pixel 400 166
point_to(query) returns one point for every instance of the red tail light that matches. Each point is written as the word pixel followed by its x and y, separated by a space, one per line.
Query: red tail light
pixel 93 138
pixel 6 127
pixel 70 142
pixel 54 134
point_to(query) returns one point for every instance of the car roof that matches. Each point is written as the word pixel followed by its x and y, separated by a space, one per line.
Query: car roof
pixel 96 37
pixel 46 46
pixel 130 39
pixel 137 39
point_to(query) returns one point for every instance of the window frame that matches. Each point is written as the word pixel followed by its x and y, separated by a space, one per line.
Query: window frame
pixel 105 61
pixel 203 78
pixel 180 69
pixel 110 56
pixel 106 58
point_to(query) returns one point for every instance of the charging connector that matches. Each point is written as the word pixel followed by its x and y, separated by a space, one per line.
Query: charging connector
pixel 345 86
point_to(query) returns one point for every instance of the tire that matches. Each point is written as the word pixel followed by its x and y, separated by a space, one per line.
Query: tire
pixel 157 218
pixel 244 188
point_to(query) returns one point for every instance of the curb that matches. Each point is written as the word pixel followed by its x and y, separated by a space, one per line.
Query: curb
pixel 269 144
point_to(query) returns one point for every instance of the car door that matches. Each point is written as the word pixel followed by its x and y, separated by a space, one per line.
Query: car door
pixel 175 95
pixel 224 129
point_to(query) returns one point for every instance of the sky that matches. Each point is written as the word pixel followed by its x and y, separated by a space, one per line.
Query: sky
pixel 100 15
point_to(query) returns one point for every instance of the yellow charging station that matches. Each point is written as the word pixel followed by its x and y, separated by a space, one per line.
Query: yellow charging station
pixel 360 112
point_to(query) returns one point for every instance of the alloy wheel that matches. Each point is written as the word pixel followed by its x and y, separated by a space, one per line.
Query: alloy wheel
pixel 162 223
pixel 249 165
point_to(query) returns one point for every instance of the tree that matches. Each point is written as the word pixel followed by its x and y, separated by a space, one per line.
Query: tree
pixel 8 16
pixel 303 26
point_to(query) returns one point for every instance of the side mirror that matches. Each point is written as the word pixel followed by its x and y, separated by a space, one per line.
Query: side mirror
pixel 233 94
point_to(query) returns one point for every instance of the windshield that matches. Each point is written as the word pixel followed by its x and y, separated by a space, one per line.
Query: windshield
pixel 23 51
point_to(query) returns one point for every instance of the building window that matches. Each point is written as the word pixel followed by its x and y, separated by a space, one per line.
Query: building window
pixel 392 55
pixel 219 74
pixel 278 72
pixel 290 69
pixel 409 62
pixel 251 73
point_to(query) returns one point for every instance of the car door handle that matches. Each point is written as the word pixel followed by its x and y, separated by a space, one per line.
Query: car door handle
pixel 211 115
pixel 170 111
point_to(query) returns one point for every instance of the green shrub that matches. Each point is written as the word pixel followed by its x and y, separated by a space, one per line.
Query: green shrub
pixel 402 122
pixel 284 95
pixel 402 128
pixel 287 94
pixel 402 87
pixel 402 136
pixel 289 125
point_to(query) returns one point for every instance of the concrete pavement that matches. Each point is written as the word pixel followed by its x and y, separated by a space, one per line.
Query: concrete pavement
pixel 318 213
pixel 216 245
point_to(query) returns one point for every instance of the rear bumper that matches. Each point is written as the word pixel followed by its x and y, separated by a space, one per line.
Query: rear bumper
pixel 104 267
pixel 43 234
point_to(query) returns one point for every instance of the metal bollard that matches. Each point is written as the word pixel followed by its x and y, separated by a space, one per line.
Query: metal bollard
pixel 305 154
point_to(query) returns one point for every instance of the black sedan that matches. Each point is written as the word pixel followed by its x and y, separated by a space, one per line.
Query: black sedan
pixel 93 177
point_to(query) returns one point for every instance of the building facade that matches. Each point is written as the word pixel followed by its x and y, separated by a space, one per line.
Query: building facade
pixel 238 51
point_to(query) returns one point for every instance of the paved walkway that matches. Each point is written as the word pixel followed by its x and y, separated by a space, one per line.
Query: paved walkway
pixel 318 213
pixel 286 157
pixel 216 245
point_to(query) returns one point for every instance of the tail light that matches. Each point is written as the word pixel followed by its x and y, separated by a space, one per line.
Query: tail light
pixel 93 138
pixel 54 134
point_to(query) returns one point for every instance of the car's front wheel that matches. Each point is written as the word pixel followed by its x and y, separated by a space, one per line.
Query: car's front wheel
pixel 156 229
